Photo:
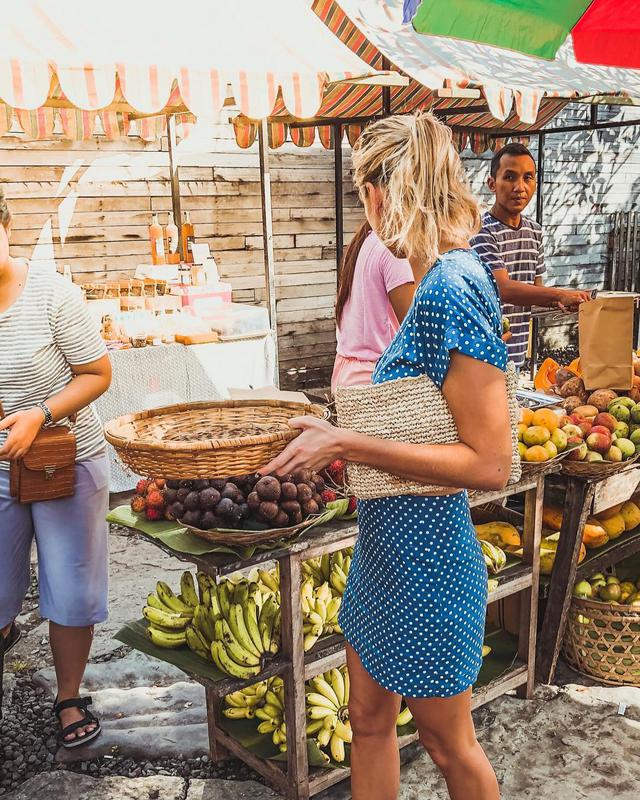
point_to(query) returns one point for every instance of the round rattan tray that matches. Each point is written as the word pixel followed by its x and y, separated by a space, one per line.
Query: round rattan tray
pixel 602 641
pixel 206 439
pixel 596 469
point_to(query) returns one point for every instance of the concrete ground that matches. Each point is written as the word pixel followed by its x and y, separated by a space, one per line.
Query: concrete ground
pixel 573 742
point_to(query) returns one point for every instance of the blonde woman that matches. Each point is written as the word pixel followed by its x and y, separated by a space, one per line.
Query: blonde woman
pixel 414 610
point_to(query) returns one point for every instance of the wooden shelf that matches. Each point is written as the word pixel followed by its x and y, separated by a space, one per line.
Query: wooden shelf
pixel 609 555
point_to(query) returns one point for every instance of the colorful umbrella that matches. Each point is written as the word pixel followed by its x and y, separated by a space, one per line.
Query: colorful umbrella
pixel 605 32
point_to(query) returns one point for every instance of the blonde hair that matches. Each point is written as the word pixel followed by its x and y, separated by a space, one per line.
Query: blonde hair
pixel 5 214
pixel 427 197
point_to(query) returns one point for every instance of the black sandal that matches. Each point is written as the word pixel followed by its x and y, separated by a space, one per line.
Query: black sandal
pixel 88 719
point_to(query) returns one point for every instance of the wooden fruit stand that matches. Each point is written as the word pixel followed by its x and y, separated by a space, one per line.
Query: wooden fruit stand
pixel 583 496
pixel 296 780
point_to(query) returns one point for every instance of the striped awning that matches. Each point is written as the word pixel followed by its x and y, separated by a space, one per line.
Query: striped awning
pixel 80 68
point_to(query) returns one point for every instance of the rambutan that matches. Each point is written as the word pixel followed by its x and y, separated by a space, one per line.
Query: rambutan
pixel 152 486
pixel 336 471
pixel 159 482
pixel 155 499
pixel 328 496
pixel 353 505
pixel 153 514
pixel 141 486
pixel 138 504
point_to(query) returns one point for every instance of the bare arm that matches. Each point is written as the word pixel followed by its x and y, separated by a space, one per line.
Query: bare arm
pixel 481 459
pixel 517 293
pixel 89 382
pixel 401 298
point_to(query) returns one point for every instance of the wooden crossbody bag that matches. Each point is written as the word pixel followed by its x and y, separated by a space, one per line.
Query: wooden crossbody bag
pixel 48 470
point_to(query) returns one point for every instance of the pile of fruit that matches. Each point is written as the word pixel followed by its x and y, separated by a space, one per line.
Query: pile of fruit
pixel 598 530
pixel 240 502
pixel 566 382
pixel 609 589
pixel 589 432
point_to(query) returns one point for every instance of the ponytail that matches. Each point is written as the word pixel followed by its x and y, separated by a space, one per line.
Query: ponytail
pixel 348 268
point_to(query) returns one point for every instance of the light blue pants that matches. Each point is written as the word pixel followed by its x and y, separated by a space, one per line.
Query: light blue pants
pixel 72 540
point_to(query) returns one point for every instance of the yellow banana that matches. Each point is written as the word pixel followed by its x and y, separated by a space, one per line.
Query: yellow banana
pixel 314 727
pixel 239 713
pixel 202 621
pixel 337 749
pixel 166 595
pixel 325 566
pixel 320 712
pixel 274 647
pixel 269 580
pixel 228 665
pixel 324 737
pixel 309 641
pixel 266 620
pixel 324 592
pixel 251 622
pixel 266 727
pixel 265 716
pixel 343 731
pixel 336 681
pixel 197 643
pixel 337 580
pixel 167 640
pixel 272 698
pixel 188 589
pixel 404 717
pixel 164 619
pixel 239 629
pixel 485 650
pixel 325 688
pixel 222 592
pixel 234 648
pixel 317 699
pixel 347 683
pixel 154 602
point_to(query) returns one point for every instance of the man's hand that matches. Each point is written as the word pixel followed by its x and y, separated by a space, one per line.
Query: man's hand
pixel 23 427
pixel 570 300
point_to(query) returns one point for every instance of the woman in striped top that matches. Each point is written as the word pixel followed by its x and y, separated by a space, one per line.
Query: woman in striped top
pixel 53 365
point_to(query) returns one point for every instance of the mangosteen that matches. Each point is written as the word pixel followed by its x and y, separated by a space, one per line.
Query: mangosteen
pixel 230 491
pixel 309 508
pixel 182 493
pixel 281 520
pixel 269 510
pixel 318 500
pixel 288 491
pixel 319 482
pixel 252 479
pixel 305 494
pixel 253 501
pixel 224 507
pixel 186 485
pixel 209 498
pixel 170 496
pixel 268 488
pixel 192 501
pixel 291 507
pixel 218 483
pixel 191 518
pixel 176 510
pixel 173 484
pixel 235 515
pixel 209 521
pixel 200 484
pixel 302 476
pixel 296 518
pixel 245 511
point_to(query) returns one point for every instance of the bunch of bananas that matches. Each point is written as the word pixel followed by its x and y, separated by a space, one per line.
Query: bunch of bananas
pixel 244 703
pixel 235 626
pixel 170 615
pixel 328 712
pixel 494 557
pixel 271 714
pixel 330 568
pixel 319 612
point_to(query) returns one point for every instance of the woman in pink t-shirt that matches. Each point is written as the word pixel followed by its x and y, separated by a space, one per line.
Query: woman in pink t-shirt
pixel 374 294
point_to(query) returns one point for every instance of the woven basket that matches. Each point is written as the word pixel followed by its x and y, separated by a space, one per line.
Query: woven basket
pixel 407 410
pixel 176 442
pixel 596 469
pixel 600 639
pixel 235 538
pixel 530 468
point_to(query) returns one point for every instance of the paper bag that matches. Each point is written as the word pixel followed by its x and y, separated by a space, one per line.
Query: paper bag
pixel 606 341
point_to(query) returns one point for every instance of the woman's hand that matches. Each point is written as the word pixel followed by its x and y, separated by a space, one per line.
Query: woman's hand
pixel 319 444
pixel 23 427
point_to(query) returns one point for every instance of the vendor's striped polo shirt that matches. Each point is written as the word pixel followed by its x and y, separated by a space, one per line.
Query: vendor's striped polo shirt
pixel 520 252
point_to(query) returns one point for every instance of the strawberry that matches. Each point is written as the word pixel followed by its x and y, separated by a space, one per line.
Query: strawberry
pixel 141 486
pixel 155 499
pixel 353 505
pixel 153 514
pixel 328 496
pixel 137 504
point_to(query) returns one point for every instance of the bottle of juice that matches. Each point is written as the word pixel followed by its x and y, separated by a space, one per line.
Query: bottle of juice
pixel 171 241
pixel 187 239
pixel 156 240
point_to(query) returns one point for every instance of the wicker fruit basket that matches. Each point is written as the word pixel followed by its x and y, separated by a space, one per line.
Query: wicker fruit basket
pixel 603 641
pixel 245 538
pixel 596 469
pixel 207 439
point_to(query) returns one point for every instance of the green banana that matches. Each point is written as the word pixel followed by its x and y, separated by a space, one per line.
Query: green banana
pixel 325 566
pixel 265 622
pixel 167 640
pixel 226 664
pixel 239 629
pixel 164 619
pixel 188 589
pixel 404 717
pixel 236 651
pixel 166 595
pixel 274 647
pixel 223 598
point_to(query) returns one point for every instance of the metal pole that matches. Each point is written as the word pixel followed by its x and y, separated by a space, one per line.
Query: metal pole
pixel 540 187
pixel 339 200
pixel 267 239
pixel 175 177
pixel 386 91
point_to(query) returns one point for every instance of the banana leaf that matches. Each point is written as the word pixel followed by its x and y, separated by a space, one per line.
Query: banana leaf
pixel 134 634
pixel 245 731
pixel 504 653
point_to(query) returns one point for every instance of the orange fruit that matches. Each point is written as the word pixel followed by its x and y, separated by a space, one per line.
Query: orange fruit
pixel 536 453
pixel 526 416
pixel 546 418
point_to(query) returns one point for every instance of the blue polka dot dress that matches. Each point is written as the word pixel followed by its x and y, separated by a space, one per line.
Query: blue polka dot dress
pixel 415 604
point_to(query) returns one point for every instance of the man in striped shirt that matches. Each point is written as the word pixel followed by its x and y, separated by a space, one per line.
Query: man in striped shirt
pixel 511 244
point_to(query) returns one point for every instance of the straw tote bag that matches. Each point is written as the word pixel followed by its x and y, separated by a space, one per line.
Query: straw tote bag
pixel 408 410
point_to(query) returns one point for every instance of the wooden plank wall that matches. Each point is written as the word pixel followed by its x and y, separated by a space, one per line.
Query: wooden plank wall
pixel 107 191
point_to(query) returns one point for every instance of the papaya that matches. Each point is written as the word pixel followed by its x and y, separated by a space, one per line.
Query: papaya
pixel 610 512
pixel 614 526
pixel 502 534
pixel 574 366
pixel 552 517
pixel 548 547
pixel 594 535
pixel 546 375
pixel 631 515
